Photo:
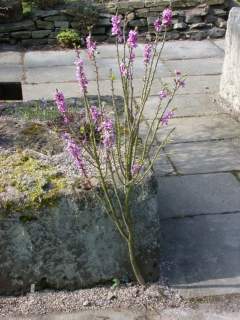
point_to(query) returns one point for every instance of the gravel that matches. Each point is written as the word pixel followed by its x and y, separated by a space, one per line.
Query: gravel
pixel 126 297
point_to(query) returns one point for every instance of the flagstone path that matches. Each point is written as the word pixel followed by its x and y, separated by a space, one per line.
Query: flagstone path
pixel 199 174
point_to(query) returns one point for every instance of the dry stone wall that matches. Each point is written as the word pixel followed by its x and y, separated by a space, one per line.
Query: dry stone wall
pixel 193 19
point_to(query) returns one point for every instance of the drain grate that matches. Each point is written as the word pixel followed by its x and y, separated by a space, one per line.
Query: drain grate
pixel 11 91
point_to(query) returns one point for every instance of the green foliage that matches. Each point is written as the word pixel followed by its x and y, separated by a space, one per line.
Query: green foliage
pixel 68 38
pixel 39 183
pixel 42 4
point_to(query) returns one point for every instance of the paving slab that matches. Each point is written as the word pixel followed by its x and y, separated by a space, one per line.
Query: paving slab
pixel 220 43
pixel 191 129
pixel 111 63
pixel 202 128
pixel 63 73
pixel 207 66
pixel 204 157
pixel 197 84
pixel 71 89
pixel 11 73
pixel 10 57
pixel 55 74
pixel 187 49
pixel 187 105
pixel 202 253
pixel 193 195
pixel 34 59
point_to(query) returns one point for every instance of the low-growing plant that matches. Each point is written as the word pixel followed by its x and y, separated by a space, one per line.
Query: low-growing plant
pixel 68 38
pixel 115 157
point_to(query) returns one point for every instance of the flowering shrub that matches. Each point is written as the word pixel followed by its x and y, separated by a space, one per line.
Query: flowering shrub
pixel 112 152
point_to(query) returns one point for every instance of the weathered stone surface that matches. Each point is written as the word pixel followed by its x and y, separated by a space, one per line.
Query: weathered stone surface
pixel 18 26
pixel 230 85
pixel 52 232
pixel 10 10
pixel 41 24
pixel 21 34
pixel 39 34
pixel 216 33
pixel 61 24
pixel 180 26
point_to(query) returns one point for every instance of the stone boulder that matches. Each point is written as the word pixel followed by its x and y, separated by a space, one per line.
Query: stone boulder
pixel 230 84
pixel 53 232
pixel 10 10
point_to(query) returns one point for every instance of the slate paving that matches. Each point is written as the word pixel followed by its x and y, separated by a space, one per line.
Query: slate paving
pixel 199 185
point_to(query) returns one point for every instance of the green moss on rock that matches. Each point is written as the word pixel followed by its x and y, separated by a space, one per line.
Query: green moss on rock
pixel 28 183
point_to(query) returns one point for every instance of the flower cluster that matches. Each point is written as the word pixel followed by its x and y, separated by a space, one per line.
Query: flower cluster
pixel 167 16
pixel 61 105
pixel 80 75
pixel 147 53
pixel 132 39
pixel 116 27
pixel 91 46
pixel 163 94
pixel 123 70
pixel 165 21
pixel 76 153
pixel 179 81
pixel 95 114
pixel 107 132
pixel 136 167
pixel 166 117
pixel 158 25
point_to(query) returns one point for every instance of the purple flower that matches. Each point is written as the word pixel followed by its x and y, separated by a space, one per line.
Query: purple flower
pixel 123 70
pixel 91 46
pixel 167 17
pixel 158 25
pixel 80 75
pixel 136 167
pixel 166 117
pixel 180 82
pixel 163 94
pixel 61 105
pixel 116 26
pixel 95 114
pixel 132 39
pixel 76 153
pixel 107 133
pixel 43 103
pixel 147 53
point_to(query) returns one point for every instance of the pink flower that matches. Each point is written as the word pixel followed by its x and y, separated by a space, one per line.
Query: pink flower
pixel 91 46
pixel 123 70
pixel 158 25
pixel 163 94
pixel 147 53
pixel 167 17
pixel 166 117
pixel 80 75
pixel 61 105
pixel 180 82
pixel 132 39
pixel 95 114
pixel 136 167
pixel 116 26
pixel 107 133
pixel 76 153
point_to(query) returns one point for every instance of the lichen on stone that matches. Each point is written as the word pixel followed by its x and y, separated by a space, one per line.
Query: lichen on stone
pixel 28 183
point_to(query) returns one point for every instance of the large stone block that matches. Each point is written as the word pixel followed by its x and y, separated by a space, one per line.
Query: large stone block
pixel 230 83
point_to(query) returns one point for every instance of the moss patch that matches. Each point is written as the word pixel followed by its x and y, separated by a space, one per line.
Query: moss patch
pixel 28 183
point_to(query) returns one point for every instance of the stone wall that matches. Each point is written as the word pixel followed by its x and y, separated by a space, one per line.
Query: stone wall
pixel 230 81
pixel 193 19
